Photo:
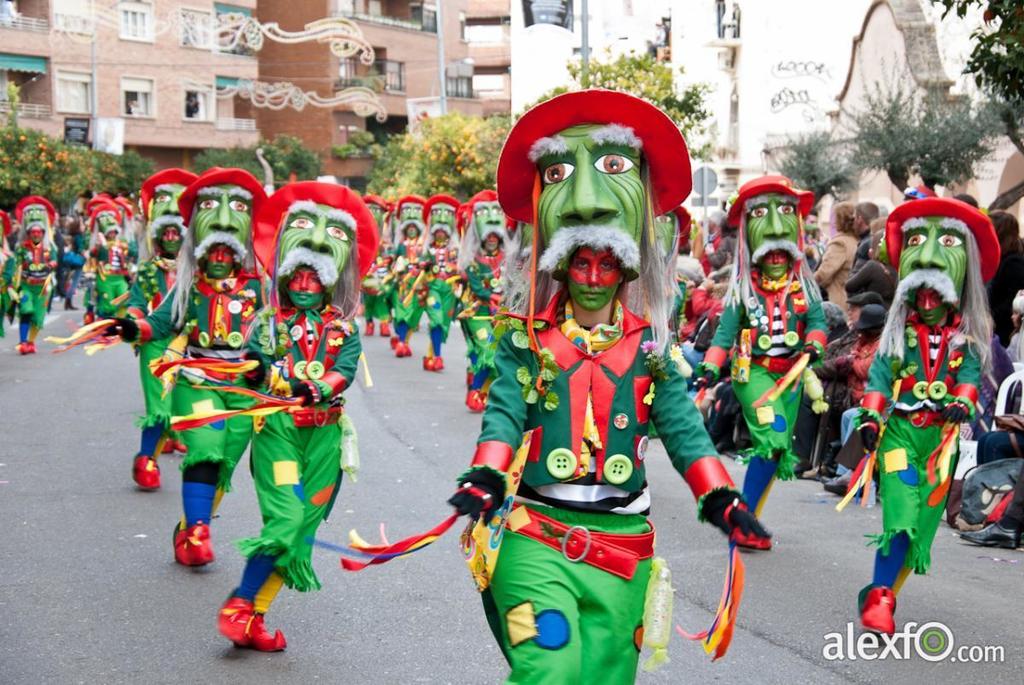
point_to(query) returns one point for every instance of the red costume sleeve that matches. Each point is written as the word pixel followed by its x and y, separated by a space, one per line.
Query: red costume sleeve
pixel 707 474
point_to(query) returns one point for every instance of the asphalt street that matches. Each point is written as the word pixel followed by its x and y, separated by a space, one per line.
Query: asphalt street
pixel 89 591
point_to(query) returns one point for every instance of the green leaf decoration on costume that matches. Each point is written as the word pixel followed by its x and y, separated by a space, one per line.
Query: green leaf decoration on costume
pixel 551 401
pixel 520 340
pixel 549 532
pixel 548 375
pixel 530 394
pixel 523 375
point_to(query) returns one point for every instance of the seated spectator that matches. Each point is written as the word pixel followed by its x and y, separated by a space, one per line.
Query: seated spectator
pixel 874 276
pixel 1016 347
pixel 1006 532
pixel 1009 278
pixel 839 254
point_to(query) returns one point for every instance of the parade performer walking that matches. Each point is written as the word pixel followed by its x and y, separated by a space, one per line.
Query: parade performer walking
pixel 111 255
pixel 440 263
pixel 155 277
pixel 6 228
pixel 31 271
pixel 926 378
pixel 481 256
pixel 378 286
pixel 218 291
pixel 410 295
pixel 582 370
pixel 774 325
pixel 325 240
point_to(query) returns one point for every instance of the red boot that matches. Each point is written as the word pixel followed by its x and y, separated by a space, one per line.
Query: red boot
pixel 88 318
pixel 234 619
pixel 23 348
pixel 179 447
pixel 368 331
pixel 750 541
pixel 385 329
pixel 168 447
pixel 394 341
pixel 877 608
pixel 475 401
pixel 146 473
pixel 261 640
pixel 192 546
pixel 428 364
pixel 438 363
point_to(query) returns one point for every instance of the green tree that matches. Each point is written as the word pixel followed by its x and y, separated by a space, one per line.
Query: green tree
pixel 647 78
pixel 818 163
pixel 454 154
pixel 997 59
pixel 285 154
pixel 903 132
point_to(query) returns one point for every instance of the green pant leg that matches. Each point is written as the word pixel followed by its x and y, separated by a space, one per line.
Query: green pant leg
pixel 158 409
pixel 611 618
pixel 440 306
pixel 771 427
pixel 239 434
pixel 109 289
pixel 903 464
pixel 220 443
pixel 33 304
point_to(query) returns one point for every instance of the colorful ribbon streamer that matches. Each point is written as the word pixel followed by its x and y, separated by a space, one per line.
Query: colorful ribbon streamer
pixel 159 367
pixel 780 386
pixel 718 636
pixel 371 555
pixel 91 333
pixel 203 418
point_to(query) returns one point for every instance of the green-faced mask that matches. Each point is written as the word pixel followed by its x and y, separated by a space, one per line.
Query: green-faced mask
pixel 488 218
pixel 410 211
pixel 36 215
pixel 666 227
pixel 770 218
pixel 223 208
pixel 442 215
pixel 378 213
pixel 313 233
pixel 930 245
pixel 165 204
pixel 108 224
pixel 591 177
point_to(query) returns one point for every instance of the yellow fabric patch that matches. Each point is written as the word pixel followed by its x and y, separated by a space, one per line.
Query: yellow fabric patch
pixel 765 415
pixel 520 624
pixel 286 473
pixel 895 460
pixel 518 518
pixel 481 334
pixel 202 406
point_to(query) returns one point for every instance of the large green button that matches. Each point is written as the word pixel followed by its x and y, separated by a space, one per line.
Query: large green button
pixel 937 390
pixel 921 390
pixel 561 463
pixel 315 371
pixel 300 370
pixel 204 339
pixel 764 342
pixel 618 469
pixel 791 339
pixel 235 339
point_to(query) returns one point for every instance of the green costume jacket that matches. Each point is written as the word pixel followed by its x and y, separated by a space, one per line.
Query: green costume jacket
pixel 620 381
pixel 153 279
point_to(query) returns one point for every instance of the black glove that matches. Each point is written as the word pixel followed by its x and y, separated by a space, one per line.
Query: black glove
pixel 480 493
pixel 869 435
pixel 259 374
pixel 955 412
pixel 303 390
pixel 705 380
pixel 812 351
pixel 127 329
pixel 726 511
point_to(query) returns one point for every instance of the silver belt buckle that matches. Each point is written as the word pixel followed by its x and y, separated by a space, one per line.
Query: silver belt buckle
pixel 565 544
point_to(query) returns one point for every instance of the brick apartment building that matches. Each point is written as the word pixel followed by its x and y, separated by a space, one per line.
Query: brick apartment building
pixel 404 36
pixel 488 24
pixel 155 66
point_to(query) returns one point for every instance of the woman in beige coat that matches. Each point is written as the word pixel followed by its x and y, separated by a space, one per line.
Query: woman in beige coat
pixel 839 254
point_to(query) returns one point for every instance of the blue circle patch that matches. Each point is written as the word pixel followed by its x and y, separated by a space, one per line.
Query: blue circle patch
pixel 909 476
pixel 779 424
pixel 218 425
pixel 552 629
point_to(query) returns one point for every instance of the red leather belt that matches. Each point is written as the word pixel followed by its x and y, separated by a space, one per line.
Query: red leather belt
pixel 922 418
pixel 610 552
pixel 774 364
pixel 317 417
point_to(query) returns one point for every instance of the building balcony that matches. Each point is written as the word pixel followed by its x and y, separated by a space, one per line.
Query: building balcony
pixel 386 75
pixel 27 110
pixel 24 23
pixel 490 55
pixel 408 24
pixel 231 124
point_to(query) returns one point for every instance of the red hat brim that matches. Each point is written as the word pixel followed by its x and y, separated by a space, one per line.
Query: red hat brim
pixel 29 200
pixel 664 148
pixel 5 221
pixel 979 225
pixel 371 199
pixel 216 176
pixel 268 221
pixel 770 184
pixel 165 177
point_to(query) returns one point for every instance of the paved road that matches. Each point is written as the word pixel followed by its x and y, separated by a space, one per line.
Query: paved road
pixel 89 592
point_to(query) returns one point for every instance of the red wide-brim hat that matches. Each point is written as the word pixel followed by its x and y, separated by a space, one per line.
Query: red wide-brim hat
pixel 101 207
pixel 5 222
pixel 770 184
pixel 268 221
pixel 465 211
pixel 28 201
pixel 371 199
pixel 979 225
pixel 166 177
pixel 415 199
pixel 217 176
pixel 664 149
pixel 127 208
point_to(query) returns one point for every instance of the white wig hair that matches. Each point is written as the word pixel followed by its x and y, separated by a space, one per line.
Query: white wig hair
pixel 567 240
pixel 221 238
pixel 215 191
pixel 975 329
pixel 548 145
pixel 741 289
pixel 650 295
pixel 188 266
pixel 310 207
pixel 617 134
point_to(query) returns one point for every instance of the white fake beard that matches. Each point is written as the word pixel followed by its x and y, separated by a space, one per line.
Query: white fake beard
pixel 317 261
pixel 787 246
pixel 568 240
pixel 157 224
pixel 221 238
pixel 939 281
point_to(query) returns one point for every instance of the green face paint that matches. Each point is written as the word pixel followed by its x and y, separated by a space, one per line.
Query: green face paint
pixel 594 278
pixel 935 247
pixel 304 289
pixel 323 231
pixel 218 208
pixel 772 217
pixel 591 183
pixel 219 262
